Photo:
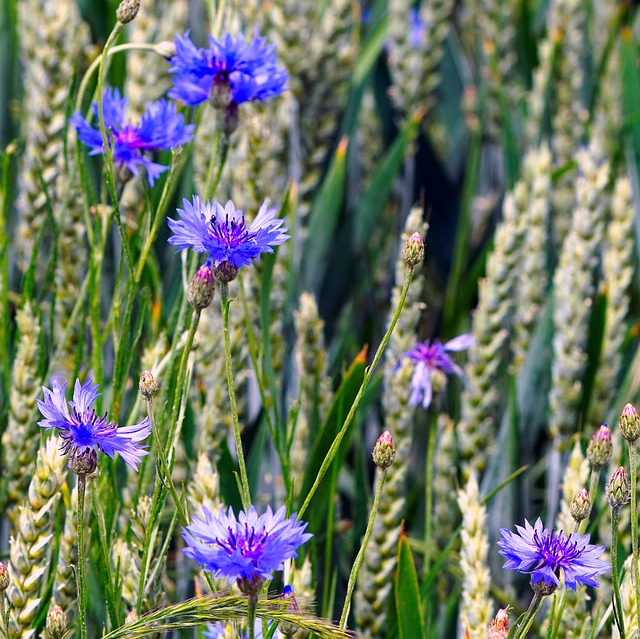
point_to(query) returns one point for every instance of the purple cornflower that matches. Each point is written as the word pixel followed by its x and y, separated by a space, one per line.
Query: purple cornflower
pixel 432 358
pixel 82 431
pixel 244 550
pixel 228 72
pixel 208 227
pixel 161 127
pixel 552 556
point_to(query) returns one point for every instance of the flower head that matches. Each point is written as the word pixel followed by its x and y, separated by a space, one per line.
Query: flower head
pixel 550 556
pixel 161 127
pixel 208 227
pixel 249 548
pixel 84 432
pixel 432 360
pixel 228 72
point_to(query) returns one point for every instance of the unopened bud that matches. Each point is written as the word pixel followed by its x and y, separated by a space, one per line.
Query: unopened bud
pixel 127 10
pixel 413 251
pixel 580 506
pixel 499 628
pixel 201 288
pixel 384 452
pixel 83 462
pixel 4 577
pixel 56 623
pixel 289 629
pixel 148 386
pixel 600 448
pixel 166 48
pixel 629 423
pixel 132 617
pixel 618 489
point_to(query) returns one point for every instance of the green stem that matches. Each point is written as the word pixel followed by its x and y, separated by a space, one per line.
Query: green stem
pixel 165 473
pixel 428 515
pixel 82 593
pixel 252 601
pixel 530 615
pixel 244 480
pixel 216 165
pixel 633 463
pixel 619 615
pixel 3 616
pixel 355 569
pixel 593 489
pixel 368 374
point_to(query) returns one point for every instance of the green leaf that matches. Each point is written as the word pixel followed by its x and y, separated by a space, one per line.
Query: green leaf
pixel 323 219
pixel 407 594
pixel 630 89
pixel 373 201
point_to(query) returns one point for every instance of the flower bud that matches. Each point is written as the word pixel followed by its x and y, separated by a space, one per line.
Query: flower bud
pixel 225 272
pixel 166 48
pixel 83 461
pixel 148 386
pixel 618 489
pixel 56 623
pixel 600 448
pixel 250 587
pixel 4 577
pixel 384 452
pixel 127 10
pixel 289 629
pixel 580 506
pixel 499 628
pixel 201 288
pixel 629 423
pixel 413 251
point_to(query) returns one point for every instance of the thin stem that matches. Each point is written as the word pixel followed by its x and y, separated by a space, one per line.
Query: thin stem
pixel 3 616
pixel 593 489
pixel 218 159
pixel 355 569
pixel 428 505
pixel 618 616
pixel 244 480
pixel 633 463
pixel 368 374
pixel 164 466
pixel 252 600
pixel 82 593
pixel 530 615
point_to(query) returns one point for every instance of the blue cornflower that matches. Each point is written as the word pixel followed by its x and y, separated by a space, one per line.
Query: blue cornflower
pixel 83 432
pixel 229 71
pixel 432 360
pixel 161 127
pixel 552 557
pixel 244 550
pixel 208 227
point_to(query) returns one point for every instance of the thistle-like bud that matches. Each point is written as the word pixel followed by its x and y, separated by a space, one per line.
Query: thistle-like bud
pixel 499 628
pixel 201 288
pixel 580 506
pixel 56 623
pixel 220 94
pixel 600 448
pixel 127 10
pixel 543 588
pixel 629 423
pixel 231 119
pixel 618 489
pixel 250 587
pixel 384 452
pixel 225 272
pixel 413 251
pixel 83 462
pixel 4 577
pixel 147 385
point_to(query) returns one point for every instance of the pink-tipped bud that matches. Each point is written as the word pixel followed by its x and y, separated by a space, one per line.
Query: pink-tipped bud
pixel 629 423
pixel 56 623
pixel 580 506
pixel 202 288
pixel 147 385
pixel 4 577
pixel 499 628
pixel 384 452
pixel 618 489
pixel 127 10
pixel 413 251
pixel 600 448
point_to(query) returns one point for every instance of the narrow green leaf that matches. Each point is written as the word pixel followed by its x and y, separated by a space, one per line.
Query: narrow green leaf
pixel 373 201
pixel 630 88
pixel 407 594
